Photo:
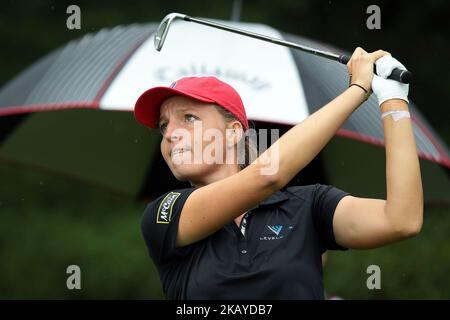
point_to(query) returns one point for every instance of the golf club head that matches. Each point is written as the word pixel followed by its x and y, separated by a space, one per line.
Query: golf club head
pixel 163 29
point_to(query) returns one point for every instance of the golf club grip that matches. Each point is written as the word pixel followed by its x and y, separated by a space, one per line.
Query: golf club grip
pixel 403 76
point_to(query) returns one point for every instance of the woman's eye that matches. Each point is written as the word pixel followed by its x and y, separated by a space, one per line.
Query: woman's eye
pixel 162 128
pixel 190 117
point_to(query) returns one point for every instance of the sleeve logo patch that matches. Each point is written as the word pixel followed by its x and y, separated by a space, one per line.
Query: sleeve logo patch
pixel 165 208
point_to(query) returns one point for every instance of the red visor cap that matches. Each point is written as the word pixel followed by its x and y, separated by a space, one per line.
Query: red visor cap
pixel 204 89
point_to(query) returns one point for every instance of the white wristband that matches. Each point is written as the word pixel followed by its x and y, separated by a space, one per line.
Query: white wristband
pixel 396 114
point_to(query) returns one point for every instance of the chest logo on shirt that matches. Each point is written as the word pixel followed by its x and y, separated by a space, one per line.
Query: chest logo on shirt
pixel 276 229
pixel 165 208
pixel 275 232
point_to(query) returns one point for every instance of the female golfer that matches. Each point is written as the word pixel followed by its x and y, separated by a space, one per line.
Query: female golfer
pixel 238 233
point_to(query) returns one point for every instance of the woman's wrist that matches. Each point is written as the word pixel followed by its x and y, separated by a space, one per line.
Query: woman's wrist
pixel 360 86
pixel 359 91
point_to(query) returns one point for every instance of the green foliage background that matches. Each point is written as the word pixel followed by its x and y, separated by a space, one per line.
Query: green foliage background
pixel 48 223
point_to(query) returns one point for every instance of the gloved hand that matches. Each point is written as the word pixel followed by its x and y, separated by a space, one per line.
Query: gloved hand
pixel 386 89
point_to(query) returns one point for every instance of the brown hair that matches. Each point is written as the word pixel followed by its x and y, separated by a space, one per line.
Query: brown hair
pixel 250 145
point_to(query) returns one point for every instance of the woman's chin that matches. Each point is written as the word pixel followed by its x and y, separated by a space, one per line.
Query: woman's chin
pixel 183 172
pixel 187 172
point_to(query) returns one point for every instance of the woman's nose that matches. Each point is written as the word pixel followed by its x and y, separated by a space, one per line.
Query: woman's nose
pixel 171 133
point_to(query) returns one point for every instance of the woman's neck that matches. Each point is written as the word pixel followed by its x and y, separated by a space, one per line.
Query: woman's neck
pixel 223 172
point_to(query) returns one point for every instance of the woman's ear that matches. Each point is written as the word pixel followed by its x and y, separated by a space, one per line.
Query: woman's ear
pixel 234 133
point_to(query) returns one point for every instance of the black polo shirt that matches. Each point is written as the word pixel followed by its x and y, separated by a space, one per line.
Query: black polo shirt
pixel 277 257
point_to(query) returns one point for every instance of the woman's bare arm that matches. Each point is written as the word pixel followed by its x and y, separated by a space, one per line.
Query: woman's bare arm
pixel 363 223
pixel 297 147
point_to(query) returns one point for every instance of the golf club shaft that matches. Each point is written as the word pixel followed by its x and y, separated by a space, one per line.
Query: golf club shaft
pixel 403 76
pixel 266 38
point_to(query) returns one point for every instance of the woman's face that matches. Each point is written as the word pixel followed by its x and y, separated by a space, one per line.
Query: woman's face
pixel 193 135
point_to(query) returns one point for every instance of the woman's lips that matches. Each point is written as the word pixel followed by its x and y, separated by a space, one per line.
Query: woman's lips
pixel 179 150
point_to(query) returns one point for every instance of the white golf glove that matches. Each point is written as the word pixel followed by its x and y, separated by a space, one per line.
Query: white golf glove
pixel 386 89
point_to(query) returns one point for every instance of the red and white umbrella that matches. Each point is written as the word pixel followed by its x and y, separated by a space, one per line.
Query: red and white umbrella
pixel 108 70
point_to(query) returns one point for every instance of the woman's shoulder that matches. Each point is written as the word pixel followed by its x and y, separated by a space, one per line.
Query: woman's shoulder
pixel 301 191
pixel 315 191
pixel 171 194
pixel 165 208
